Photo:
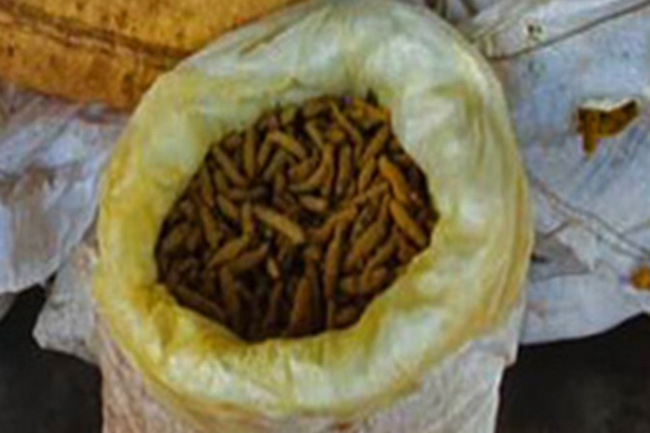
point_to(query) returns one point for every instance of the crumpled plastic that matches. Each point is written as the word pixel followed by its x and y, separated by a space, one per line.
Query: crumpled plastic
pixel 51 156
pixel 593 218
pixel 449 112
pixel 67 321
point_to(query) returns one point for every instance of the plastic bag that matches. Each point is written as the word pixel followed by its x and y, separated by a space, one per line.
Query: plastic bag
pixel 592 228
pixel 448 111
pixel 51 155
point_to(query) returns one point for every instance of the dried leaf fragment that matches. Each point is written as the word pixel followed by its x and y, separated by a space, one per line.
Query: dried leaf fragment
pixel 323 233
pixel 344 172
pixel 228 208
pixel 347 126
pixel 231 300
pixel 394 176
pixel 346 316
pixel 279 160
pixel 599 119
pixel 280 223
pixel 210 228
pixel 249 153
pixel 247 219
pixel 273 268
pixel 287 143
pixel 275 305
pixel 372 280
pixel 229 251
pixel 407 224
pixel 313 203
pixel 311 128
pixel 384 253
pixel 641 278
pixel 376 145
pixel 372 237
pixel 318 177
pixel 303 169
pixel 368 170
pixel 175 237
pixel 197 302
pixel 371 193
pixel 332 262
pixel 249 260
pixel 300 321
pixel 228 166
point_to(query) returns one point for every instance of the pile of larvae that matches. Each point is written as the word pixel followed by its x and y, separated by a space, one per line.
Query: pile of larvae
pixel 292 227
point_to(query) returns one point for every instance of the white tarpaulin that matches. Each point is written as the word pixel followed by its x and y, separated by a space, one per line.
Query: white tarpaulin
pixel 593 213
pixel 51 156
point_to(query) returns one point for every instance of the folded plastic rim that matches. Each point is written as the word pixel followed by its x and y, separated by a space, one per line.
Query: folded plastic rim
pixel 449 112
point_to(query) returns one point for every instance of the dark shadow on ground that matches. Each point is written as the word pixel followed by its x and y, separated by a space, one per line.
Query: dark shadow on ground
pixel 43 391
pixel 595 385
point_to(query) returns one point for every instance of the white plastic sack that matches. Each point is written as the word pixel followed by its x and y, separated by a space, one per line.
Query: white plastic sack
pixel 449 113
pixel 459 396
pixel 51 156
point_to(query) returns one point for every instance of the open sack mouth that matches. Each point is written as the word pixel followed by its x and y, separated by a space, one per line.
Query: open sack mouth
pixel 292 226
pixel 219 227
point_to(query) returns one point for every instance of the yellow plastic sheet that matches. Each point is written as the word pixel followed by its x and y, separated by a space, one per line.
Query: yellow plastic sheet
pixel 449 112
